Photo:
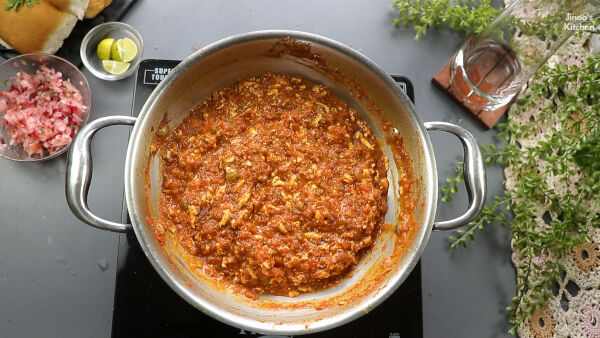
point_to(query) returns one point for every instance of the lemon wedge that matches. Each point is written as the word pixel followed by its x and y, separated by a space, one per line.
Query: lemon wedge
pixel 104 48
pixel 115 67
pixel 124 50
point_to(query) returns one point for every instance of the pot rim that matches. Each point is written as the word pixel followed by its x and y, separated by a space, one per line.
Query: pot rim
pixel 420 238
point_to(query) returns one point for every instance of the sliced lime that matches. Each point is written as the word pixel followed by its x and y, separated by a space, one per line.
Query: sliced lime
pixel 104 48
pixel 115 67
pixel 124 50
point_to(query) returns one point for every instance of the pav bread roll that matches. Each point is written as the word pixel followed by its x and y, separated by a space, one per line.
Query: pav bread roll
pixel 75 7
pixel 95 7
pixel 39 29
pixel 43 27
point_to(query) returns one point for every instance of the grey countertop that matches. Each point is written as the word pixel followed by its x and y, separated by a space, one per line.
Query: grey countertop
pixel 57 275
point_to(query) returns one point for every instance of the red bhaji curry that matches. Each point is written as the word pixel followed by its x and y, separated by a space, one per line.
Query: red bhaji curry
pixel 274 184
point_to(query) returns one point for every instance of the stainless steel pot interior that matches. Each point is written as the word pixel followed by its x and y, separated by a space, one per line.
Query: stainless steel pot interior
pixel 221 64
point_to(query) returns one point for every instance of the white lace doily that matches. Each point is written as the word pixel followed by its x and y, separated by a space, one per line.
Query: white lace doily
pixel 574 309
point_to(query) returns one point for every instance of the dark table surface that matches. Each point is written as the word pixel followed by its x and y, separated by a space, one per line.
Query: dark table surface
pixel 57 275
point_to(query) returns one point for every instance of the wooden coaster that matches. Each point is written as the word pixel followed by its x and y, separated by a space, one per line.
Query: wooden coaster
pixel 487 118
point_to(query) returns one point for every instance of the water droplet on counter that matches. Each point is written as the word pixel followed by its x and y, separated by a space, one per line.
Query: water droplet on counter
pixel 49 240
pixel 103 264
pixel 61 258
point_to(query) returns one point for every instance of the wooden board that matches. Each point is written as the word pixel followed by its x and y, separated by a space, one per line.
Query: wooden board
pixel 70 48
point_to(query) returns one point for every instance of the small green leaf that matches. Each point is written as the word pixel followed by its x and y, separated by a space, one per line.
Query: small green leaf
pixel 16 4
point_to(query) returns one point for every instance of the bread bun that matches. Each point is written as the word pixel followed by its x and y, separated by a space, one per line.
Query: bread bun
pixel 43 27
pixel 95 7
pixel 75 7
pixel 39 29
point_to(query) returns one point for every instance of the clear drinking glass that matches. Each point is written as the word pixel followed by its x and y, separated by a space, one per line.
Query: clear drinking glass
pixel 490 68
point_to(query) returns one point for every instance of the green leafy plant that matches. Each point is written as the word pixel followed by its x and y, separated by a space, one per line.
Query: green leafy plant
pixel 452 183
pixel 571 157
pixel 16 4
pixel 588 155
pixel 465 17
pixel 559 173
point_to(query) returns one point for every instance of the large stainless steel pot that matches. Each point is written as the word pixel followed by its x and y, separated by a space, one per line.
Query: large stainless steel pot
pixel 355 79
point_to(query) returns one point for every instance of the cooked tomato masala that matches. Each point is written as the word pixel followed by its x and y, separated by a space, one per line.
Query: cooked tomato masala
pixel 273 184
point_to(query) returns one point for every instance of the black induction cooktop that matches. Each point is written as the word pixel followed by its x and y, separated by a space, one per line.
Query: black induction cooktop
pixel 145 306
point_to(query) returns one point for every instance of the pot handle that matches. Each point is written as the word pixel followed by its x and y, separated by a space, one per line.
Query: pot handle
pixel 474 172
pixel 79 173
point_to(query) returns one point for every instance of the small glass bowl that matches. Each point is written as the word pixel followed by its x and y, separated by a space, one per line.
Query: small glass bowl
pixel 115 30
pixel 29 63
